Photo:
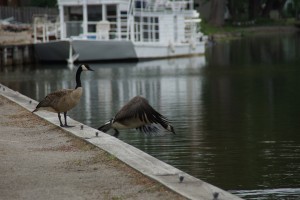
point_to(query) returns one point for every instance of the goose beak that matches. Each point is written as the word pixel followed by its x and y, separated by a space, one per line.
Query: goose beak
pixel 91 69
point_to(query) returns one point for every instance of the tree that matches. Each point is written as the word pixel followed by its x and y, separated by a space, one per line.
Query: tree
pixel 244 10
pixel 272 5
pixel 43 3
pixel 254 7
pixel 238 9
pixel 297 5
pixel 217 12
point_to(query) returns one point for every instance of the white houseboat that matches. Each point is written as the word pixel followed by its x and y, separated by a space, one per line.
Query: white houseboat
pixel 93 30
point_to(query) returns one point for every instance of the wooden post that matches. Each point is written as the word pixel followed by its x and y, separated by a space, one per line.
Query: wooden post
pixel 15 55
pixel 26 55
pixel 4 56
pixel 1 56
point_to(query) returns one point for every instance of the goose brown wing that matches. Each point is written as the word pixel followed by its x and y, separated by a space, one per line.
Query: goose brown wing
pixel 129 110
pixel 139 107
pixel 150 129
pixel 52 98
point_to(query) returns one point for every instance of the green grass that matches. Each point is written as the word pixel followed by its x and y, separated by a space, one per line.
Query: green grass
pixel 228 27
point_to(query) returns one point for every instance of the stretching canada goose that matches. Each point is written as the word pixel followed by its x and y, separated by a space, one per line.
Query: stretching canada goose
pixel 65 99
pixel 137 113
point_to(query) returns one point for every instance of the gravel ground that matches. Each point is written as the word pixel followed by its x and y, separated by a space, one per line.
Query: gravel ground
pixel 41 161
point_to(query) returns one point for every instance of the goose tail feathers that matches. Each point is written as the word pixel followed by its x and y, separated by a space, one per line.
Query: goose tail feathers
pixel 155 129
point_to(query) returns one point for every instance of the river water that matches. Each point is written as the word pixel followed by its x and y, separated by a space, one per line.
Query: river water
pixel 236 110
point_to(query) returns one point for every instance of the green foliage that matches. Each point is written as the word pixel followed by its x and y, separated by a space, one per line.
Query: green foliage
pixel 209 29
pixel 43 3
pixel 228 27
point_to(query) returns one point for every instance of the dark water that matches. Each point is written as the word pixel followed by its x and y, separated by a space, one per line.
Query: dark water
pixel 236 111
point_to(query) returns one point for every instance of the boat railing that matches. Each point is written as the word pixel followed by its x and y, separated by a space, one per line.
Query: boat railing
pixel 163 6
pixel 149 32
pixel 192 30
pixel 101 30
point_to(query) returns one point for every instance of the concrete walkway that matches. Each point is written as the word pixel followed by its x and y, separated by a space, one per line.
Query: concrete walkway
pixel 40 160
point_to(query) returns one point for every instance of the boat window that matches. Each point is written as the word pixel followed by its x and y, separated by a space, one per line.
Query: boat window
pixel 111 11
pixel 140 4
pixel 75 13
pixel 94 13
pixel 73 19
pixel 94 16
pixel 146 29
pixel 124 20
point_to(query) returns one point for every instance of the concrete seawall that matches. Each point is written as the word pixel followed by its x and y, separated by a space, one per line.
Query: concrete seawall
pixel 11 55
pixel 167 175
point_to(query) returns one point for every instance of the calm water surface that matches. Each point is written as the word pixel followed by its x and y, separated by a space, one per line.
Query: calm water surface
pixel 236 110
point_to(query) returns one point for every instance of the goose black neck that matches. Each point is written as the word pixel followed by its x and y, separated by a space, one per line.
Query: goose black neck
pixel 78 81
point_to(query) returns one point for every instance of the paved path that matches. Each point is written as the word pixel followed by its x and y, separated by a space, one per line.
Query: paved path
pixel 41 161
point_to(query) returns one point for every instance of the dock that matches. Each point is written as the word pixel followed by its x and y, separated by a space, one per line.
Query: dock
pixel 175 180
pixel 14 54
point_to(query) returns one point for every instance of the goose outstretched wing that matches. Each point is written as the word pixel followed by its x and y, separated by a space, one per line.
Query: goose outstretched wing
pixel 139 108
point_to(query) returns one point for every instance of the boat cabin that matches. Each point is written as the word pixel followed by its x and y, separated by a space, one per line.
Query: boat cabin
pixel 155 21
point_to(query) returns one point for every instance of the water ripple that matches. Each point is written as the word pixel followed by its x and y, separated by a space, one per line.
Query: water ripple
pixel 264 194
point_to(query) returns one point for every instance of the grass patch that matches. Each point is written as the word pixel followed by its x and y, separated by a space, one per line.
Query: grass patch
pixel 240 27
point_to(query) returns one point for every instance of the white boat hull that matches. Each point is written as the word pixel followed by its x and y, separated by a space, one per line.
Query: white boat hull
pixel 55 51
pixel 93 50
pixel 99 50
pixel 150 51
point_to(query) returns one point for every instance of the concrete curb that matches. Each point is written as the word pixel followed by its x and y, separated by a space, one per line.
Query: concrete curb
pixel 190 187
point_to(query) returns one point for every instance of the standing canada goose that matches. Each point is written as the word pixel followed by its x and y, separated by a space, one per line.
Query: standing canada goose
pixel 65 99
pixel 138 114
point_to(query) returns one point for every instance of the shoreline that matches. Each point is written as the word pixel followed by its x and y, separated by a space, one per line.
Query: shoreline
pixel 25 37
pixel 254 30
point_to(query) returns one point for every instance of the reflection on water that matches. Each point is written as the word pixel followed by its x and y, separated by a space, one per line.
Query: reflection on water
pixel 265 194
pixel 236 111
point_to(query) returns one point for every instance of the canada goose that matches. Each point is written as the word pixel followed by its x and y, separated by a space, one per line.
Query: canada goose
pixel 65 99
pixel 138 114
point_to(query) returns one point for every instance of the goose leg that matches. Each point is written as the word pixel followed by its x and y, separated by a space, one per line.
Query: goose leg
pixel 65 116
pixel 59 117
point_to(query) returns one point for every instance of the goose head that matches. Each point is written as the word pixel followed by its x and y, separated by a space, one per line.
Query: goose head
pixel 81 68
